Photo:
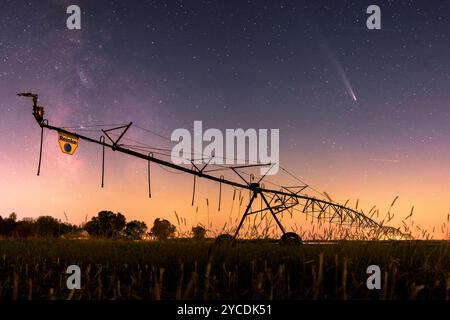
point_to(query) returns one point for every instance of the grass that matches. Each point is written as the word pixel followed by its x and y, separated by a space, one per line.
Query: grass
pixel 187 269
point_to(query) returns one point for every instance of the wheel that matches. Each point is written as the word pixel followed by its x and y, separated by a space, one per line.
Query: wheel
pixel 290 239
pixel 224 239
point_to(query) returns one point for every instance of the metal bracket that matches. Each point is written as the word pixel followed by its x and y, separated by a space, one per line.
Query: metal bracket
pixel 115 143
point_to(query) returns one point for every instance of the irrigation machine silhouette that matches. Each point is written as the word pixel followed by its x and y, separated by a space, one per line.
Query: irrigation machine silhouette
pixel 272 201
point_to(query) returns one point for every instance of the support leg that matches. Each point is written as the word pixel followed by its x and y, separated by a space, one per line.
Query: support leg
pixel 245 214
pixel 273 213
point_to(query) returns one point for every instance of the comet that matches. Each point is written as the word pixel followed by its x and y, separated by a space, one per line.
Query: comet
pixel 341 72
pixel 348 86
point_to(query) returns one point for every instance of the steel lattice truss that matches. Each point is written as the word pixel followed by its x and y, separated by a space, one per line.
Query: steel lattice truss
pixel 326 211
pixel 286 199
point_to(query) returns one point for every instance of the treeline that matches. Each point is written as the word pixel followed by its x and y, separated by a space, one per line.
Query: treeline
pixel 112 225
pixel 106 224
pixel 44 227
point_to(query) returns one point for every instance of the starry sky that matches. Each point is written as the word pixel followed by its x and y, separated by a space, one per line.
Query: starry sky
pixel 363 114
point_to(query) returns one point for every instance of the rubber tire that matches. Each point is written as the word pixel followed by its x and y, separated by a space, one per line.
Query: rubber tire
pixel 290 239
pixel 224 239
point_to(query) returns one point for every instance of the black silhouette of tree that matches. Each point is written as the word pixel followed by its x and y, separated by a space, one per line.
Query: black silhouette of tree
pixel 25 229
pixel 162 229
pixel 8 225
pixel 107 224
pixel 47 226
pixel 134 230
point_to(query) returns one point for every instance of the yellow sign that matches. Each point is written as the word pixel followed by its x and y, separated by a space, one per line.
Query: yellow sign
pixel 67 142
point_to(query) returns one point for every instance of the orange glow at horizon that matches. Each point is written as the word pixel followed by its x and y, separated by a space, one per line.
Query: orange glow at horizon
pixel 71 184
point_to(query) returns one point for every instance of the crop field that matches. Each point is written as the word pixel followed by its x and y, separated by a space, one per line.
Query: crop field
pixel 189 269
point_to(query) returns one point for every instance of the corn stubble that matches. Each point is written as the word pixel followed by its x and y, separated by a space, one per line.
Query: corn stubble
pixel 187 269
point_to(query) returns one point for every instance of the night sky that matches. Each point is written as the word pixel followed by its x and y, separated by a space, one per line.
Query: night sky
pixel 363 114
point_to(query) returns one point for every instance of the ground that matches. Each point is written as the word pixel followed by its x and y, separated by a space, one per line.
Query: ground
pixel 188 269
